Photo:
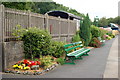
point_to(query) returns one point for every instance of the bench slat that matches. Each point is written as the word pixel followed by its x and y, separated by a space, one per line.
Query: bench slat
pixel 78 52
pixel 68 45
pixel 73 47
pixel 82 53
pixel 80 42
pixel 70 54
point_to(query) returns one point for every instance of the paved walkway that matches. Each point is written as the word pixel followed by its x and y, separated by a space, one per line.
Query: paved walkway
pixel 92 66
pixel 111 70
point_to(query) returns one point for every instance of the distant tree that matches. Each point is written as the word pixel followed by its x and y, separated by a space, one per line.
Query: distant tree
pixel 103 22
pixel 110 20
pixel 85 32
pixel 117 20
pixel 19 5
pixel 41 7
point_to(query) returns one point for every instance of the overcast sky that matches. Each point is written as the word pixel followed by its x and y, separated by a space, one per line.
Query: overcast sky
pixel 100 8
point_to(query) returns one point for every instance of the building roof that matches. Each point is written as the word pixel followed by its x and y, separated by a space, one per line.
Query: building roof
pixel 63 14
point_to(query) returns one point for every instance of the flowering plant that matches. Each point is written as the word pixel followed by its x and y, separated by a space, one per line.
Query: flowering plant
pixel 26 64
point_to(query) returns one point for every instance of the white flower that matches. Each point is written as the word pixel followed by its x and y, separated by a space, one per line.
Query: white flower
pixel 42 35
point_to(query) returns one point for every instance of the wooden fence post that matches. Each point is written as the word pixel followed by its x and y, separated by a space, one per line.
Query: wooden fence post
pixel 1 23
pixel 59 27
pixel 46 22
pixel 29 19
pixel 2 10
pixel 68 29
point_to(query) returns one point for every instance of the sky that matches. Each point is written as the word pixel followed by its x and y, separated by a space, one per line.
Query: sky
pixel 100 8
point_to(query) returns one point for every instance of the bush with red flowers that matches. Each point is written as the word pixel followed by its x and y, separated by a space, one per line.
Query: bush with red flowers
pixel 95 43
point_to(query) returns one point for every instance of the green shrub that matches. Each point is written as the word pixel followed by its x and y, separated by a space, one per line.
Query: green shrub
pixel 46 61
pixel 103 32
pixel 60 61
pixel 18 31
pixel 36 42
pixel 76 38
pixel 111 35
pixel 95 31
pixel 56 49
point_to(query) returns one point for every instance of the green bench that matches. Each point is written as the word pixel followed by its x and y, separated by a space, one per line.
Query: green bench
pixel 77 53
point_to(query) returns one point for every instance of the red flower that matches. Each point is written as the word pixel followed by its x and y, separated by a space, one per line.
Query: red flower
pixel 33 63
pixel 38 62
pixel 25 61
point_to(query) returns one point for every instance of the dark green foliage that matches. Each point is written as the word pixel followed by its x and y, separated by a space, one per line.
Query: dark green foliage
pixel 117 20
pixel 36 42
pixel 60 61
pixel 95 31
pixel 56 49
pixel 85 30
pixel 103 22
pixel 40 7
pixel 20 5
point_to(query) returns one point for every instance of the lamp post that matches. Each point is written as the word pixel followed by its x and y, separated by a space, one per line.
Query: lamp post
pixel 96 19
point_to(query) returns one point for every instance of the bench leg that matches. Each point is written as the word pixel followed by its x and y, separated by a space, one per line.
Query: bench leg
pixel 71 59
pixel 86 54
pixel 80 58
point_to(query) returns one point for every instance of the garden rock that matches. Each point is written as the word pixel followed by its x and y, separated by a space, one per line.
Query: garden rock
pixel 47 69
pixel 30 73
pixel 18 72
pixel 7 71
pixel 14 72
pixel 35 67
pixel 26 72
pixel 37 73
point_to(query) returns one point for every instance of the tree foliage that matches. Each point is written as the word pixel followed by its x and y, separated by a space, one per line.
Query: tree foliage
pixel 40 7
pixel 106 21
pixel 103 22
pixel 85 32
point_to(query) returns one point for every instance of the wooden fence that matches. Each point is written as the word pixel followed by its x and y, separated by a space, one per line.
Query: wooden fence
pixel 60 29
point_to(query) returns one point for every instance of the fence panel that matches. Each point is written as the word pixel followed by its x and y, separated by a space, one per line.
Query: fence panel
pixel 37 20
pixel 64 27
pixel 12 19
pixel 53 25
pixel 72 28
pixel 58 27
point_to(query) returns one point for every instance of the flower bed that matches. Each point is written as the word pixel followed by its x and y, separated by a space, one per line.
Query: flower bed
pixel 38 67
pixel 31 72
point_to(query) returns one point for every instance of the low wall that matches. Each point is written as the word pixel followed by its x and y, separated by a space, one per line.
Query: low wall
pixel 13 52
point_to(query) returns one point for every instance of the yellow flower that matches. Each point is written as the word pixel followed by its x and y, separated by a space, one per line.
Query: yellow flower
pixel 14 66
pixel 26 68
pixel 20 67
pixel 23 65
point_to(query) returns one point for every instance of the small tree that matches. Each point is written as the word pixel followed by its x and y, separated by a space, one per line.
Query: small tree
pixel 85 32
